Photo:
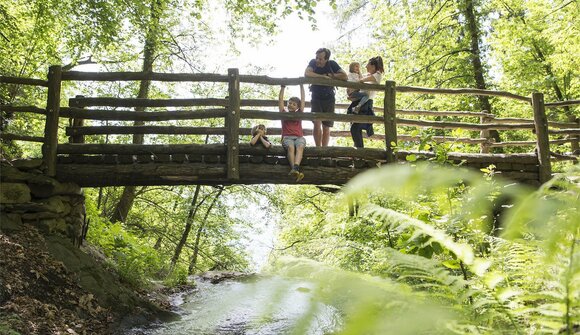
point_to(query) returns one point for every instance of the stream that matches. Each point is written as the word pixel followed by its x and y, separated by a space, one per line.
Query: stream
pixel 255 305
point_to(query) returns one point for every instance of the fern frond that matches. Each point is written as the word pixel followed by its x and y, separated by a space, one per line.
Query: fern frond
pixel 462 251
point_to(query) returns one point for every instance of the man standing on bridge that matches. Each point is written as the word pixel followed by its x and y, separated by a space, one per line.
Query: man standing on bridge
pixel 323 96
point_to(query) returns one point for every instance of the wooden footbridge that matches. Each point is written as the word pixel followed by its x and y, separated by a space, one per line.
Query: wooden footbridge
pixel 92 149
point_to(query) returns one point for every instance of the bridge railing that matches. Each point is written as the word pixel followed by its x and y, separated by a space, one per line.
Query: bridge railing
pixel 6 135
pixel 233 109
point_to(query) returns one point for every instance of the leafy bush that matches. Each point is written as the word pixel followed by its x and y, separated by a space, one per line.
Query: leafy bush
pixel 134 261
pixel 466 255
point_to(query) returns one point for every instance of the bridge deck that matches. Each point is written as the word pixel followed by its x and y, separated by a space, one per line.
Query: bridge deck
pixel 261 167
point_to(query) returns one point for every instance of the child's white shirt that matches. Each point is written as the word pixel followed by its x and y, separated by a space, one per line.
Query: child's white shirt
pixel 354 76
pixel 378 78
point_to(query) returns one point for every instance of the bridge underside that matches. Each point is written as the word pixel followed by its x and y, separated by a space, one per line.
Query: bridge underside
pixel 182 169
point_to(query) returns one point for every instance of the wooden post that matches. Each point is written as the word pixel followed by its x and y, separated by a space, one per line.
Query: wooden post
pixel 233 125
pixel 52 118
pixel 77 123
pixel 543 141
pixel 390 121
pixel 484 147
pixel 575 140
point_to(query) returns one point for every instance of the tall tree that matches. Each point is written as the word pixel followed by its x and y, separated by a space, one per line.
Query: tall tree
pixel 198 235
pixel 474 33
pixel 150 50
pixel 194 207
pixel 536 43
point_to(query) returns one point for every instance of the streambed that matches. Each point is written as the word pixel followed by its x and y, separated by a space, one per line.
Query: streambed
pixel 254 305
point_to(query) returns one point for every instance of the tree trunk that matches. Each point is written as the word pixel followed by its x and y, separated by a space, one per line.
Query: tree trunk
pixel 193 262
pixel 478 70
pixel 158 243
pixel 548 68
pixel 151 44
pixel 188 223
pixel 124 205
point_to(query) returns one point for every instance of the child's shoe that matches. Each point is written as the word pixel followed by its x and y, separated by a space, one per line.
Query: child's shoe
pixel 294 172
pixel 300 176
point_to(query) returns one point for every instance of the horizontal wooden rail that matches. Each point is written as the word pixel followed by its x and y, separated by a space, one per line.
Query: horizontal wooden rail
pixel 559 157
pixel 526 143
pixel 23 81
pixel 141 149
pixel 562 103
pixel 266 115
pixel 23 109
pixel 127 102
pixel 14 137
pixel 170 130
pixel 468 91
pixel 462 125
pixel 555 124
pixel 443 113
pixel 210 77
pixel 134 102
pixel 572 131
pixel 133 76
pixel 124 115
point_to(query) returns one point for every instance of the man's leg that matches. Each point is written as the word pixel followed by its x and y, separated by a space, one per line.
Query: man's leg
pixel 317 133
pixel 325 135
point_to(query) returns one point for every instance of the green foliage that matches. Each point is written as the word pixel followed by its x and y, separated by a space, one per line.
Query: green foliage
pixel 134 261
pixel 428 234
pixel 177 277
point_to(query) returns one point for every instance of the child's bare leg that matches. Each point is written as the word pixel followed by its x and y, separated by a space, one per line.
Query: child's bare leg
pixel 291 155
pixel 299 153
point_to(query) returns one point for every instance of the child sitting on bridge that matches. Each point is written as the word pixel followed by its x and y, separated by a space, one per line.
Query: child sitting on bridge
pixel 292 134
pixel 259 135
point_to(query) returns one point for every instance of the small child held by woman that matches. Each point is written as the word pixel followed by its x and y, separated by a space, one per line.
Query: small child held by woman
pixel 292 134
pixel 259 136
pixel 375 73
pixel 353 75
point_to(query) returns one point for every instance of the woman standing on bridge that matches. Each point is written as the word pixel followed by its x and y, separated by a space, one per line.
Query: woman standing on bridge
pixel 292 134
pixel 362 102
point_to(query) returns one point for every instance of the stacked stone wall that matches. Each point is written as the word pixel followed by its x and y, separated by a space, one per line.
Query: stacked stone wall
pixel 29 197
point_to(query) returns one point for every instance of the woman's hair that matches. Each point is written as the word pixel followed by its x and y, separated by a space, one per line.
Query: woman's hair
pixel 296 100
pixel 352 65
pixel 378 63
pixel 255 129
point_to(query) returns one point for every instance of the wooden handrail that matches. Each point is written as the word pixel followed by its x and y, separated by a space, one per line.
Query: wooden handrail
pixel 128 130
pixel 15 137
pixel 124 115
pixel 134 102
pixel 562 103
pixel 23 81
pixel 210 77
pixel 23 109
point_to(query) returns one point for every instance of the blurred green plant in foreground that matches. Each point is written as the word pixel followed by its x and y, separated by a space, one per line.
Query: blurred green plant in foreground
pixel 446 251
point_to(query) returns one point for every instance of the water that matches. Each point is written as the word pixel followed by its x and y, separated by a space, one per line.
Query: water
pixel 258 305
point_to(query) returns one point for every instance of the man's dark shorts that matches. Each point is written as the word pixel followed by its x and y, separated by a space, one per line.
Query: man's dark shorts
pixel 325 105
